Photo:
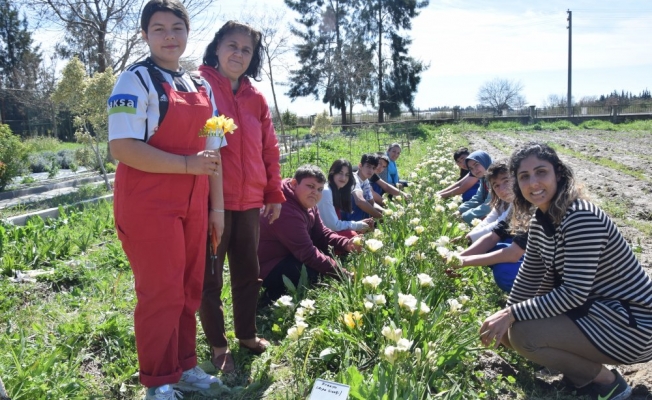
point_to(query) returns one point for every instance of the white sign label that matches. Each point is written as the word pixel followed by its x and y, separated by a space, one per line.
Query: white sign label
pixel 326 390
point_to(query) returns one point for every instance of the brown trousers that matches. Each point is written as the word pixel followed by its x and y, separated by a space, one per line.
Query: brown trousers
pixel 558 343
pixel 240 244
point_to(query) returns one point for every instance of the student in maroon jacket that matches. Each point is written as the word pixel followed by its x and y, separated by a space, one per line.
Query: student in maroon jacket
pixel 298 237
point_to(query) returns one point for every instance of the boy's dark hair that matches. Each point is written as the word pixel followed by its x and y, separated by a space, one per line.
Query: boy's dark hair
pixel 341 197
pixel 210 58
pixel 309 171
pixel 369 158
pixel 383 156
pixel 462 151
pixel 154 6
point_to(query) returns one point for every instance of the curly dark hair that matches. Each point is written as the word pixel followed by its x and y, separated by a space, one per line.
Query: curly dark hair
pixel 253 71
pixel 567 189
pixel 341 197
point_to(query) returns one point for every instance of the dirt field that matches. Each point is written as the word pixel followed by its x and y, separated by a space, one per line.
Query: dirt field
pixel 616 170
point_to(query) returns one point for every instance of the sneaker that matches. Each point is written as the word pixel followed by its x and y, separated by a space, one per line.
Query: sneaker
pixel 165 392
pixel 196 379
pixel 618 390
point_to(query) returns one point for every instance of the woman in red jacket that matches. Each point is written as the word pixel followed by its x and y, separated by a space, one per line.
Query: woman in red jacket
pixel 252 180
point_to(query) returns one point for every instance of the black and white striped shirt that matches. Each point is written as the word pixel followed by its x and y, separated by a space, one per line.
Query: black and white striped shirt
pixel 585 269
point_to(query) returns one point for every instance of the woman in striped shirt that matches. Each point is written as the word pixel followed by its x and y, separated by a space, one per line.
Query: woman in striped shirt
pixel 581 299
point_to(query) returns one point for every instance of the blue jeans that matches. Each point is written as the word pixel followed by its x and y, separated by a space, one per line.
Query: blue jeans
pixel 505 273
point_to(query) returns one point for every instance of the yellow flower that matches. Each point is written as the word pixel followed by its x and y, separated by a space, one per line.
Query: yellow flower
pixel 228 126
pixel 212 124
pixel 352 319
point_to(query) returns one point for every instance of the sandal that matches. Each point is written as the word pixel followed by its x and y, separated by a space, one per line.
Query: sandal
pixel 224 362
pixel 259 348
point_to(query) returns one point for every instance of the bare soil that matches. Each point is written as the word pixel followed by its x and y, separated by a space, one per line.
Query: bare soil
pixel 626 183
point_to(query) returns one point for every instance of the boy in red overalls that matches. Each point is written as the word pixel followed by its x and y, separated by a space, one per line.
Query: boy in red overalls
pixel 165 175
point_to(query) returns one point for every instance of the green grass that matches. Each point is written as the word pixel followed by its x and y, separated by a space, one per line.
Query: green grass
pixel 39 144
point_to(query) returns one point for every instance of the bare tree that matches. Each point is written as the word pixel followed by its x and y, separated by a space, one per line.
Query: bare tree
pixel 501 94
pixel 276 45
pixel 108 31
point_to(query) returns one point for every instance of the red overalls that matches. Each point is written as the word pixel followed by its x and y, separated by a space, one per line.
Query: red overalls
pixel 162 222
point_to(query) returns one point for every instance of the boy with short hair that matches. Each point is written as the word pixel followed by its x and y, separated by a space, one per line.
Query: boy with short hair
pixel 298 237
pixel 467 184
pixel 162 186
pixel 363 202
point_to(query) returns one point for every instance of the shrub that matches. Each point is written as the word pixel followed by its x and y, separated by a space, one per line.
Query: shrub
pixel 86 157
pixel 289 119
pixel 40 144
pixel 13 155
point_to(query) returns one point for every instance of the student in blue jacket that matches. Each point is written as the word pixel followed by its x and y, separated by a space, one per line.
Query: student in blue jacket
pixel 478 207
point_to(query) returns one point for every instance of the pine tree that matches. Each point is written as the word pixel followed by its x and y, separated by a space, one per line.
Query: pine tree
pixel 399 75
pixel 19 63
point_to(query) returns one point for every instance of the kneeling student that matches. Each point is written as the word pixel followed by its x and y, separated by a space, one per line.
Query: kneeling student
pixel 298 237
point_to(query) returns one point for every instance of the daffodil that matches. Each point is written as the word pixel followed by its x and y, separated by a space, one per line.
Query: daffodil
pixel 352 319
pixel 373 245
pixel 372 281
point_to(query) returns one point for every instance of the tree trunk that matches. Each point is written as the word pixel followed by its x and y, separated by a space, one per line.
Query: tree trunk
pixel 381 97
pixel 271 82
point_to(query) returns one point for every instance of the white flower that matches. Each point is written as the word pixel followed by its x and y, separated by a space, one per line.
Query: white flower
pixel 419 229
pixel 417 353
pixel 439 208
pixel 407 301
pixel 285 301
pixel 454 305
pixel 403 345
pixel 389 260
pixel 423 309
pixel 301 326
pixel 411 241
pixel 462 227
pixel 373 245
pixel 398 198
pixel 459 249
pixel 371 281
pixel 377 298
pixel 419 256
pixel 400 213
pixel 443 241
pixel 475 222
pixel 425 280
pixel 293 333
pixel 443 251
pixel 452 206
pixel 457 199
pixel 368 305
pixel 392 334
pixel 413 175
pixel 357 240
pixel 454 259
pixel 308 304
pixel 415 221
pixel 378 233
pixel 390 354
pixel 463 299
pixel 388 212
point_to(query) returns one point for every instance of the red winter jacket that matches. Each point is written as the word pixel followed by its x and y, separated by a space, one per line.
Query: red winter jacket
pixel 299 232
pixel 250 160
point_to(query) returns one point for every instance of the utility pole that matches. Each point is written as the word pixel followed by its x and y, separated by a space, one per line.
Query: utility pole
pixel 570 58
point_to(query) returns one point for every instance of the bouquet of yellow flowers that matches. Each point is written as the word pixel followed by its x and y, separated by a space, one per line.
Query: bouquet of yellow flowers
pixel 218 126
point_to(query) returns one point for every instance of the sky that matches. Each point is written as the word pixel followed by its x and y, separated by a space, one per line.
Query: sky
pixel 470 42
